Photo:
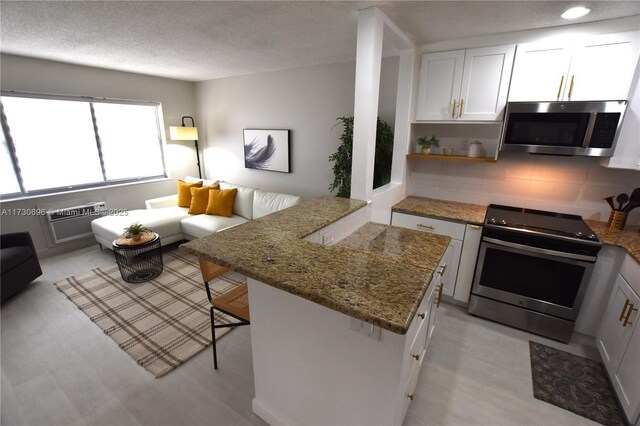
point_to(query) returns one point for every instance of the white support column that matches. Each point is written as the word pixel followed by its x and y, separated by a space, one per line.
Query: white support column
pixel 365 111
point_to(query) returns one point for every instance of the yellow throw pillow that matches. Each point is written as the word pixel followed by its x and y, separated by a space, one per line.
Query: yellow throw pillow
pixel 200 199
pixel 221 202
pixel 184 192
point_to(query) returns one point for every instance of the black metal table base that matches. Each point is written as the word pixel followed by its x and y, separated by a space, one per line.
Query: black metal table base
pixel 140 263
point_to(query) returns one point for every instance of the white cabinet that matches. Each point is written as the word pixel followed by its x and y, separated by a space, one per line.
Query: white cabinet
pixel 439 86
pixel 539 72
pixel 470 247
pixel 596 68
pixel 618 338
pixel 451 258
pixel 467 84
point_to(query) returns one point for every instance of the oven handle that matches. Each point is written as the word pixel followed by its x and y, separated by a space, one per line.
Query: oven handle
pixel 540 250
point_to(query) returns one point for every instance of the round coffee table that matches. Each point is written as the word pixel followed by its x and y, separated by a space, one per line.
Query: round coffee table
pixel 139 261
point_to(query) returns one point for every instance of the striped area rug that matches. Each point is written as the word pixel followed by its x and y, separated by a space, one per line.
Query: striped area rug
pixel 160 323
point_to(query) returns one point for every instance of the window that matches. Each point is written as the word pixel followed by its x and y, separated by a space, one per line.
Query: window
pixel 64 143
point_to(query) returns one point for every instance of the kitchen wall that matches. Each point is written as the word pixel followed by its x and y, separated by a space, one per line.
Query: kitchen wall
pixel 306 100
pixel 40 76
pixel 575 185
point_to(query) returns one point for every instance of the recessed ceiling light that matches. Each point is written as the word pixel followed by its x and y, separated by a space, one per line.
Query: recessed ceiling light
pixel 575 12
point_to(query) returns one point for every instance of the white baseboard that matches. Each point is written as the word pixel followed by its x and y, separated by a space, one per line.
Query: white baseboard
pixel 267 414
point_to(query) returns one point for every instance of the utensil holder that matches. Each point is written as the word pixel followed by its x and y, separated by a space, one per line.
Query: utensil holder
pixel 617 220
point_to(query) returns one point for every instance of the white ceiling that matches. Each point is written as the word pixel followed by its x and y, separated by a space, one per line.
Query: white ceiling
pixel 205 39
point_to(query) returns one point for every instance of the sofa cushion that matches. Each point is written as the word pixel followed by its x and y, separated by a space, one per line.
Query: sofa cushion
pixel 221 202
pixel 243 206
pixel 265 203
pixel 14 256
pixel 205 182
pixel 202 225
pixel 200 199
pixel 165 221
pixel 184 192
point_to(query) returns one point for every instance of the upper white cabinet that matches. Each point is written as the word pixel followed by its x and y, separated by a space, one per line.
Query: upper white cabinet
pixel 539 72
pixel 596 68
pixel 469 84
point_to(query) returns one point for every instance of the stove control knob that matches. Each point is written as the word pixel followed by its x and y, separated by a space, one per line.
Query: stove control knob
pixel 593 237
pixel 503 222
pixel 579 234
pixel 492 220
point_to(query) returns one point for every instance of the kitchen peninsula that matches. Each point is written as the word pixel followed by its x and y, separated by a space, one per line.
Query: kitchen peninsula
pixel 338 332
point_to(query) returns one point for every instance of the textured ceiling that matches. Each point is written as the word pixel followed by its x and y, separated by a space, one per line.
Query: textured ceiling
pixel 205 40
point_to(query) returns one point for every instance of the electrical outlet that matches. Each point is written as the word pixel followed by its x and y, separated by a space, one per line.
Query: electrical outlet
pixel 328 238
pixel 366 329
pixel 465 144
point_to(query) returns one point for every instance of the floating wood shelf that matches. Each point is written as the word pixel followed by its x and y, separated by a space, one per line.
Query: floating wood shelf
pixel 452 157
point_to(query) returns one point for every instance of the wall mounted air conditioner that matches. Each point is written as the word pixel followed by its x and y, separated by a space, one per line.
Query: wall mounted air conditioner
pixel 72 223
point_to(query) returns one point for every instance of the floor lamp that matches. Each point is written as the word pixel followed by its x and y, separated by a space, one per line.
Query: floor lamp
pixel 185 133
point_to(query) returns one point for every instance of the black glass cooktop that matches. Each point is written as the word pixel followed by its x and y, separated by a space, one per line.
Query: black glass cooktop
pixel 539 222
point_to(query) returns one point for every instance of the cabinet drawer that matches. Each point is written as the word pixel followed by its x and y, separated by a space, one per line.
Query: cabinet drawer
pixel 420 319
pixel 408 393
pixel 427 224
pixel 630 271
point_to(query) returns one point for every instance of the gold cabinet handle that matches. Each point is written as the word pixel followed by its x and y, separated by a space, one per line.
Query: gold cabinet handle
pixel 410 396
pixel 624 309
pixel 416 356
pixel 420 225
pixel 474 226
pixel 444 268
pixel 626 320
pixel 571 86
pixel 560 87
pixel 439 298
pixel 460 108
pixel 453 110
pixel 421 315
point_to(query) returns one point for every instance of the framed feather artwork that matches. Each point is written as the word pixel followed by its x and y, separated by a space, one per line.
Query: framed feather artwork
pixel 266 150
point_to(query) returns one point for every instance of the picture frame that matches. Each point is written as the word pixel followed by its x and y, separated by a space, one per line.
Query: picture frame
pixel 267 149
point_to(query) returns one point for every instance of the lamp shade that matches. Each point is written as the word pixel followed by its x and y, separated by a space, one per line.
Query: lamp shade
pixel 183 133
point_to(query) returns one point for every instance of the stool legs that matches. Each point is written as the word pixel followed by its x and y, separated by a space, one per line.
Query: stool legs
pixel 213 338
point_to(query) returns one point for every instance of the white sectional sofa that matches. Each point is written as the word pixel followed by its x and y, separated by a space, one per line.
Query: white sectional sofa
pixel 173 223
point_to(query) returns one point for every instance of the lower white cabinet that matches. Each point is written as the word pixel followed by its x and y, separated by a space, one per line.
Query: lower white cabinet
pixel 618 338
pixel 460 257
pixel 468 257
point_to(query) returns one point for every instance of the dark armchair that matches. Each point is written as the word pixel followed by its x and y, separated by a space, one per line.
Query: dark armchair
pixel 19 263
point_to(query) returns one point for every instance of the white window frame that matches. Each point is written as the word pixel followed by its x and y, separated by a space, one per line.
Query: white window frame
pixel 106 182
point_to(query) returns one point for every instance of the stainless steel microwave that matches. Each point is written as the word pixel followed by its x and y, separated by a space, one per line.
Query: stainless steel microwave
pixel 563 128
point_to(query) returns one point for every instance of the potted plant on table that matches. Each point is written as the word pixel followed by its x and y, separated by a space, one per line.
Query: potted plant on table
pixel 426 143
pixel 135 231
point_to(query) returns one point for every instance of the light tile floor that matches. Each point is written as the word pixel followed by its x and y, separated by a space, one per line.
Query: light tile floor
pixel 58 368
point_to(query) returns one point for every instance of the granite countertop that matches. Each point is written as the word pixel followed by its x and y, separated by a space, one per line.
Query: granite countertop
pixel 629 238
pixel 441 209
pixel 379 274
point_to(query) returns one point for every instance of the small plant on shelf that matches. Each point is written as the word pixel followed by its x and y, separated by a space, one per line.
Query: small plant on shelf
pixel 426 143
pixel 135 231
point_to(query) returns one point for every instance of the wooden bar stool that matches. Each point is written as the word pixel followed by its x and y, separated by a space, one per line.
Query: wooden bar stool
pixel 234 302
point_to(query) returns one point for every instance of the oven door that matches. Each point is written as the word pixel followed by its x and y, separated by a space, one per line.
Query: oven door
pixel 538 279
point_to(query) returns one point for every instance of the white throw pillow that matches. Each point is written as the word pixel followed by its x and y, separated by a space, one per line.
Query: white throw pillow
pixel 243 205
pixel 265 203
pixel 205 182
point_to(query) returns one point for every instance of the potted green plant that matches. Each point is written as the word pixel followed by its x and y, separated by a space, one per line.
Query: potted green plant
pixel 342 157
pixel 426 143
pixel 135 231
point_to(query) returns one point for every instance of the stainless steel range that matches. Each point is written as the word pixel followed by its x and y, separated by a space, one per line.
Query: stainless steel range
pixel 532 269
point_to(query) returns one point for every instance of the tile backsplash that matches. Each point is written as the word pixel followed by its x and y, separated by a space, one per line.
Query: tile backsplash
pixel 575 185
